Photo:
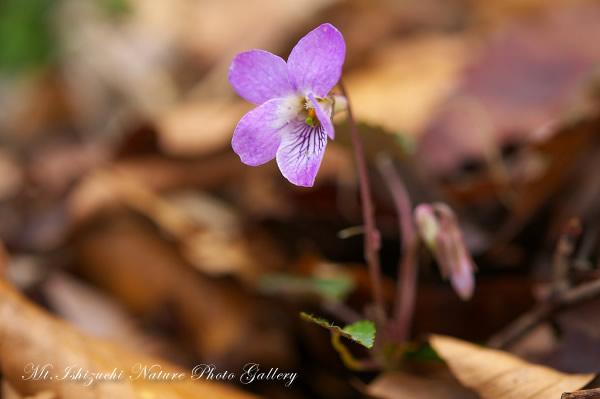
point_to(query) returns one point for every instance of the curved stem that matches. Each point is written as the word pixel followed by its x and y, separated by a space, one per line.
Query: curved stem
pixel 407 266
pixel 372 240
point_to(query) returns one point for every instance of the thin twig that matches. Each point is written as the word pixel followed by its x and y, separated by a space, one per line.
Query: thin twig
pixel 583 394
pixel 371 239
pixel 407 266
pixel 543 311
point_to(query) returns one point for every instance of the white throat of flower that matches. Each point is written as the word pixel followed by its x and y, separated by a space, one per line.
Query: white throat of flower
pixel 326 104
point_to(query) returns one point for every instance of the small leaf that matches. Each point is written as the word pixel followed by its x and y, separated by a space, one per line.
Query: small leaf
pixel 362 332
pixel 335 288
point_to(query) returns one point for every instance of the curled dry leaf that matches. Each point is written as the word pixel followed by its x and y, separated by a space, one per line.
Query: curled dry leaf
pixel 207 230
pixel 30 335
pixel 495 374
pixel 96 190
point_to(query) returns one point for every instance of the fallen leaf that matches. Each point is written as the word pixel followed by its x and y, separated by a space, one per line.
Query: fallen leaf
pixel 215 318
pixel 405 81
pixel 208 231
pixel 495 374
pixel 201 127
pixel 523 80
pixel 94 192
pixel 498 12
pixel 96 313
pixel 30 335
pixel 397 385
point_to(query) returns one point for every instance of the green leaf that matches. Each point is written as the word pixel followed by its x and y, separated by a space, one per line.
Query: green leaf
pixel 115 8
pixel 27 37
pixel 362 332
pixel 336 288
pixel 422 351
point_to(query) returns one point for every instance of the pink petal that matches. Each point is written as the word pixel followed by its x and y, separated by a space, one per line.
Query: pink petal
pixel 258 134
pixel 315 64
pixel 324 119
pixel 301 152
pixel 259 76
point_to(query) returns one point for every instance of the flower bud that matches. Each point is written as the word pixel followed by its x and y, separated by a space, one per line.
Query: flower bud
pixel 439 229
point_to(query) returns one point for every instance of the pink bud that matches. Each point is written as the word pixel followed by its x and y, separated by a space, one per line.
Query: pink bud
pixel 439 229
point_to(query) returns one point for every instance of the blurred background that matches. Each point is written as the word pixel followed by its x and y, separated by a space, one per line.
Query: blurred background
pixel 124 210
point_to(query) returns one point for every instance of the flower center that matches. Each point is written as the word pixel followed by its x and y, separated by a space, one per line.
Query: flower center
pixel 312 119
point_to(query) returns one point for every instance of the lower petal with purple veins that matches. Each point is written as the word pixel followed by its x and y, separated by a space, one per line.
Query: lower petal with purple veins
pixel 301 151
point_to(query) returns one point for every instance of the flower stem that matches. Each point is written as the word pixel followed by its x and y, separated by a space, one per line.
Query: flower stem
pixel 372 239
pixel 406 283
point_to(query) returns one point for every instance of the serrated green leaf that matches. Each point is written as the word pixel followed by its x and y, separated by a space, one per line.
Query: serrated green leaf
pixel 362 332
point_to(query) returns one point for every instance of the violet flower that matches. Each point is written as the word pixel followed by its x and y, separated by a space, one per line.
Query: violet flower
pixel 294 117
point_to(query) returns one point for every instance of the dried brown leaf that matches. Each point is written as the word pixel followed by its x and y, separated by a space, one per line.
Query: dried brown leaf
pixel 522 86
pixel 495 374
pixel 209 232
pixel 96 313
pixel 95 193
pixel 216 318
pixel 201 127
pixel 406 80
pixel 30 335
